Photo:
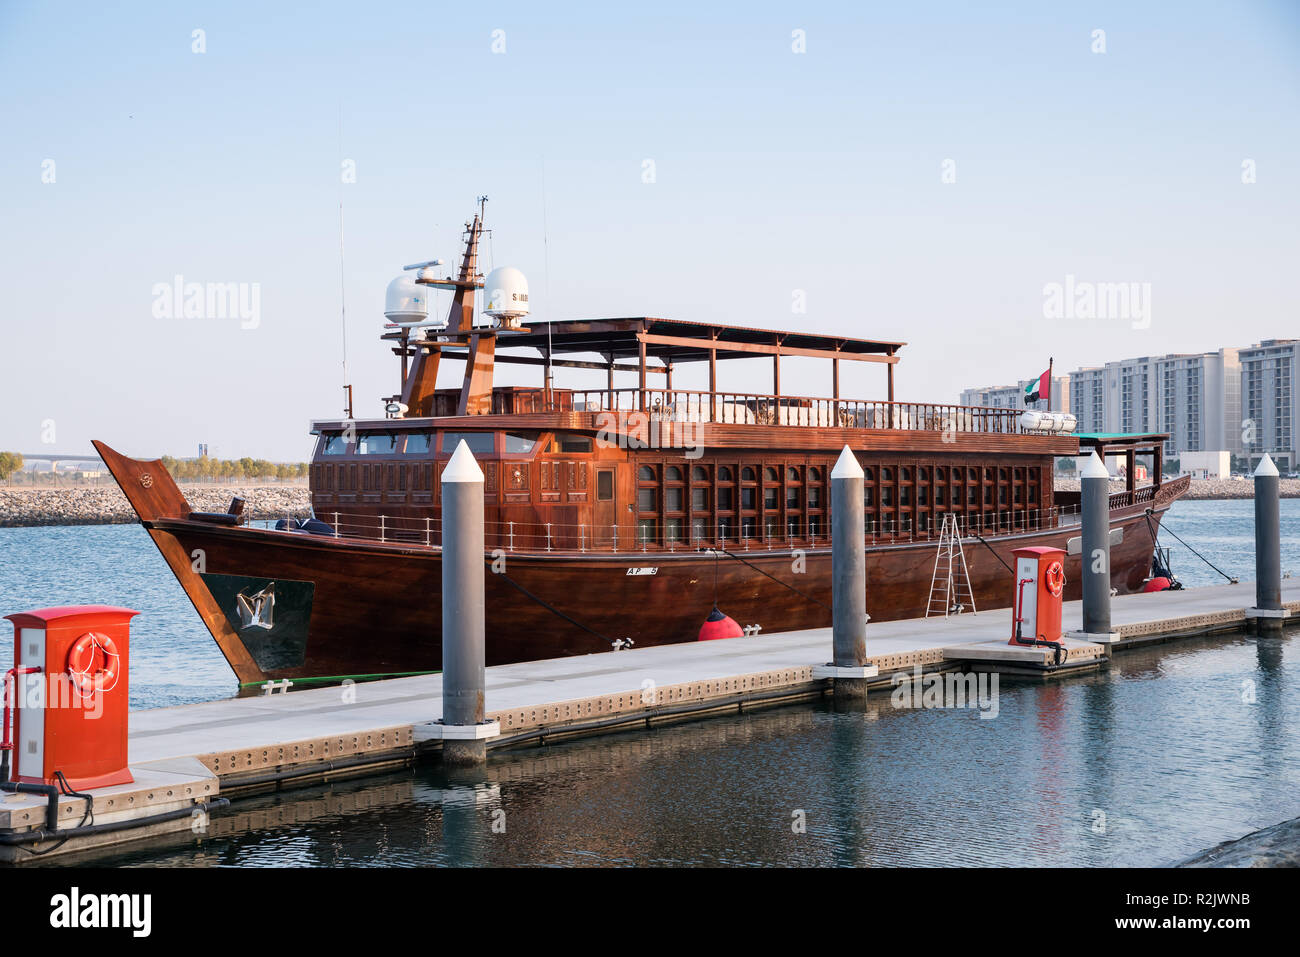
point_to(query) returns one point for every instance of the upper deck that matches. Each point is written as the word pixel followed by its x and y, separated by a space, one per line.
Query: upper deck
pixel 652 349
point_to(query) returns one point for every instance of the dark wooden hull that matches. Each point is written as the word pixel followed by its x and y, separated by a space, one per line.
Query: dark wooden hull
pixel 376 609
pixel 351 607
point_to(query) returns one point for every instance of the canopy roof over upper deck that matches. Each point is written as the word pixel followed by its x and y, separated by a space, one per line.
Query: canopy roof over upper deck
pixel 1113 443
pixel 676 340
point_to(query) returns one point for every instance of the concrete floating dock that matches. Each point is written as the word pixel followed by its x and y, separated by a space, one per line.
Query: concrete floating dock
pixel 189 756
pixel 1028 659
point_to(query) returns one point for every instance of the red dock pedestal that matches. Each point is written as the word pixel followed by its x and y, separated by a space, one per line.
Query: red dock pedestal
pixel 1040 582
pixel 67 695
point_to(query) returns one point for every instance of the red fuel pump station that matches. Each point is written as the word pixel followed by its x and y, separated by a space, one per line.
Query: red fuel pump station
pixel 1036 610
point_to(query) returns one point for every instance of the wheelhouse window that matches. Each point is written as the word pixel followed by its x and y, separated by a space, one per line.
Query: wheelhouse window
pixel 573 442
pixel 376 443
pixel 417 443
pixel 480 443
pixel 520 443
pixel 333 445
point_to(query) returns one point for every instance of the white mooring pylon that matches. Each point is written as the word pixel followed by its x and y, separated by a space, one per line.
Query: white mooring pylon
pixel 950 591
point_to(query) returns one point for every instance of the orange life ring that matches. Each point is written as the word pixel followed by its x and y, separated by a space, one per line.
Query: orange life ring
pixel 1055 579
pixel 81 658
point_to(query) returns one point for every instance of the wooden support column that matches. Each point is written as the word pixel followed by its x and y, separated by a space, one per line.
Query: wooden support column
pixel 835 378
pixel 1130 466
pixel 611 379
pixel 641 374
pixel 417 390
pixel 890 368
pixel 476 390
pixel 713 369
pixel 776 368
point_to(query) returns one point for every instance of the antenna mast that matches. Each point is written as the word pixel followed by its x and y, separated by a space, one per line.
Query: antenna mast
pixel 343 316
pixel 343 306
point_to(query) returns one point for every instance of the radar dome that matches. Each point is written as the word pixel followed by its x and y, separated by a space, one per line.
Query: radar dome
pixel 506 292
pixel 406 300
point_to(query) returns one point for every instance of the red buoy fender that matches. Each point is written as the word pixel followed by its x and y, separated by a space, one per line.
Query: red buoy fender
pixel 718 625
pixel 1157 584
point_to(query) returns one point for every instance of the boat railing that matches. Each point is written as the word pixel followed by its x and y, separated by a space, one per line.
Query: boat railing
pixel 744 532
pixel 742 408
pixel 1145 495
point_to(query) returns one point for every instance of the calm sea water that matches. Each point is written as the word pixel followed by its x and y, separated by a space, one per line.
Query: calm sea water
pixel 1169 751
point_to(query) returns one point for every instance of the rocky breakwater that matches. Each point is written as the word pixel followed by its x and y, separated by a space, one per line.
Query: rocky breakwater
pixel 1203 488
pixel 106 505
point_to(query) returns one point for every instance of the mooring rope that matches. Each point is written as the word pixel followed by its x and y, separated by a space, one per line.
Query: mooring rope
pixel 995 553
pixel 1155 536
pixel 551 608
pixel 774 578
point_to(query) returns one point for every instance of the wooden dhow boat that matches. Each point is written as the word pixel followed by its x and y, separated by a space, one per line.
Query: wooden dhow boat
pixel 624 515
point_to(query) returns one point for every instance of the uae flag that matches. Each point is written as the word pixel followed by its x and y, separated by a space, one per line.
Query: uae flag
pixel 1037 389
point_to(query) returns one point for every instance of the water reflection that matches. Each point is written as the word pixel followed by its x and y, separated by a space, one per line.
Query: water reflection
pixel 1145 763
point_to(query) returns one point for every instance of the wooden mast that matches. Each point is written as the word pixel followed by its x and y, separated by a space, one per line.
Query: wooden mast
pixel 476 389
pixel 419 384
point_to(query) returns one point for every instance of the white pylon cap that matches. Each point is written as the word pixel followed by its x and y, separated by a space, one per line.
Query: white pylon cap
pixel 1266 468
pixel 1094 468
pixel 847 467
pixel 462 467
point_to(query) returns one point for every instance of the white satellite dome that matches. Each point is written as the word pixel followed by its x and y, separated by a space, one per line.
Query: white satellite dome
pixel 406 300
pixel 506 294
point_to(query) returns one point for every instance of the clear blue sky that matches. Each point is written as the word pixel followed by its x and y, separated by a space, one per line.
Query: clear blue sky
pixel 775 171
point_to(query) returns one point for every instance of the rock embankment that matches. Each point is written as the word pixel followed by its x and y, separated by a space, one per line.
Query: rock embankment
pixel 1276 846
pixel 106 505
pixel 1203 488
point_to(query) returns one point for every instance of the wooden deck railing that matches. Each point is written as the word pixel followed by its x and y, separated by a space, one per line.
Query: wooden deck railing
pixel 742 408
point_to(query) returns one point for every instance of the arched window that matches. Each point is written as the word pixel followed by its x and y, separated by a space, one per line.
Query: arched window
pixel 647 505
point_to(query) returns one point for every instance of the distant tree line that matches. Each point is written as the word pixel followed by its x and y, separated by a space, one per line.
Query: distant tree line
pixel 206 469
pixel 10 462
pixel 202 469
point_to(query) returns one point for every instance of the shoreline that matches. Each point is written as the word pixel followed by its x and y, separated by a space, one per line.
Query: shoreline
pixel 1203 490
pixel 34 507
pixel 106 505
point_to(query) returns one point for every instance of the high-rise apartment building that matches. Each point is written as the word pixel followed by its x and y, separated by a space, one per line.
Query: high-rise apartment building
pixel 1269 402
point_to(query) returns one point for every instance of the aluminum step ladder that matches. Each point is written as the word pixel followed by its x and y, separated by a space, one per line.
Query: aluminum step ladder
pixel 950 590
